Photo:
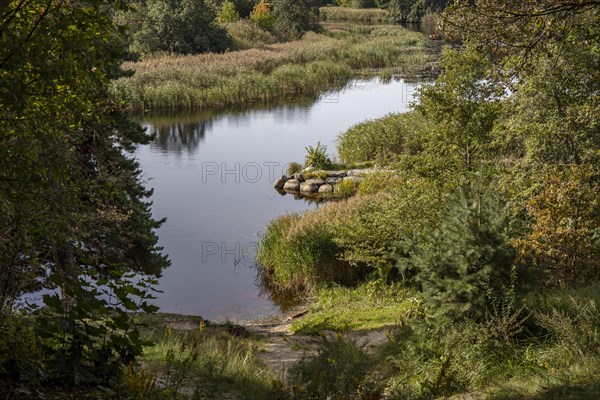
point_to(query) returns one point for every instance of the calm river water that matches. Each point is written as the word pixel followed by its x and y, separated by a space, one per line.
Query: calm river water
pixel 213 180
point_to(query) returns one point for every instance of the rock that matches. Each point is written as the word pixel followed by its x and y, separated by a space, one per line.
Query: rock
pixel 326 188
pixel 292 185
pixel 299 177
pixel 333 181
pixel 311 185
pixel 280 183
pixel 336 174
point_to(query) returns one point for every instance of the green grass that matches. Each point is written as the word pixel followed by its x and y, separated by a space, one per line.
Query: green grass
pixel 385 139
pixel 510 354
pixel 189 357
pixel 343 241
pixel 369 306
pixel 305 67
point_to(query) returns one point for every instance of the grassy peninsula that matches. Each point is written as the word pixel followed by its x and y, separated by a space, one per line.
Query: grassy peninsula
pixel 309 66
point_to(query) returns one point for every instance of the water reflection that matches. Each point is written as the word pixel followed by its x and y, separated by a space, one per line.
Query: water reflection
pixel 183 133
pixel 179 137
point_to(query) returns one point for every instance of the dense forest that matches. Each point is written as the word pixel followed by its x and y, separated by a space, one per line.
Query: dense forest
pixel 479 253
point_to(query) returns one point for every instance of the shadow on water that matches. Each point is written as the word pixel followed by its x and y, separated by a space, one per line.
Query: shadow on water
pixel 184 132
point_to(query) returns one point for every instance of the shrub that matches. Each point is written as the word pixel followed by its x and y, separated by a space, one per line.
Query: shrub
pixel 363 3
pixel 563 241
pixel 244 7
pixel 294 167
pixel 343 241
pixel 576 330
pixel 336 372
pixel 247 35
pixel 317 157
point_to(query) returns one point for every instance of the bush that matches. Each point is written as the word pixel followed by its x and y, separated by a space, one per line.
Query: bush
pixel 576 329
pixel 247 35
pixel 317 157
pixel 336 372
pixel 343 241
pixel 244 7
pixel 185 27
pixel 294 167
pixel 563 242
pixel 363 3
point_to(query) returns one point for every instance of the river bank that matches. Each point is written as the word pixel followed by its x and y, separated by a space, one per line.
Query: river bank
pixel 307 67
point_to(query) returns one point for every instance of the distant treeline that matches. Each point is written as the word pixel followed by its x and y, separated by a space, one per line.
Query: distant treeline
pixel 198 26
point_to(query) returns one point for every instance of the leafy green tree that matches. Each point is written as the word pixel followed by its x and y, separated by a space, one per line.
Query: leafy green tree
pixel 464 265
pixel 178 26
pixel 291 19
pixel 547 53
pixel 73 211
pixel 466 108
pixel 228 13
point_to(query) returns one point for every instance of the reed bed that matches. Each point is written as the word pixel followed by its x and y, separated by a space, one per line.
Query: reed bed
pixel 304 67
pixel 371 15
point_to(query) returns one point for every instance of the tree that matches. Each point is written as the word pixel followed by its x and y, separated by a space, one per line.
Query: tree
pixel 547 53
pixel 466 108
pixel 564 240
pixel 291 19
pixel 73 211
pixel 464 265
pixel 178 26
pixel 261 16
pixel 228 13
pixel 529 30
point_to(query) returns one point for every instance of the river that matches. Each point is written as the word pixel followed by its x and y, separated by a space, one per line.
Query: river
pixel 213 177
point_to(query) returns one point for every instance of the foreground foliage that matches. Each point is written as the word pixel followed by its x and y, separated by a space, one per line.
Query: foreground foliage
pixel 191 358
pixel 74 217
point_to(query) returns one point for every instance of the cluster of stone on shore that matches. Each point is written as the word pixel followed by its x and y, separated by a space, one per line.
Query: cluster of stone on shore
pixel 318 182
